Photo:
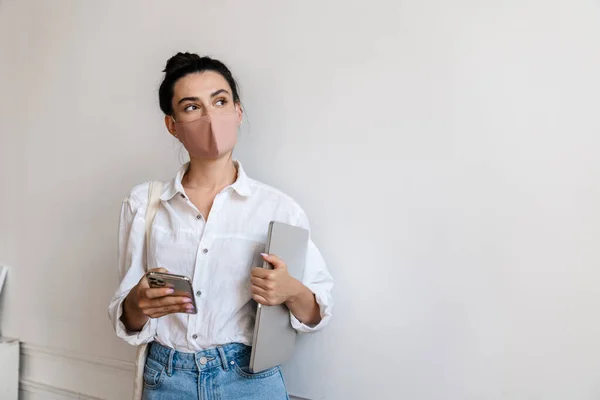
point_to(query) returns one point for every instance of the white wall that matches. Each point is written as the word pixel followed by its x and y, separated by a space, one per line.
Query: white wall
pixel 446 152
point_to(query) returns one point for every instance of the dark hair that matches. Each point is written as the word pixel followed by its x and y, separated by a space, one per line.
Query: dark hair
pixel 182 64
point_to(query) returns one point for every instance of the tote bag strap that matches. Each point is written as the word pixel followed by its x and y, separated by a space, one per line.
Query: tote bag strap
pixel 154 193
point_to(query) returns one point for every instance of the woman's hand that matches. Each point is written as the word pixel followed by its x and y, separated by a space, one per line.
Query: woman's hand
pixel 275 286
pixel 144 302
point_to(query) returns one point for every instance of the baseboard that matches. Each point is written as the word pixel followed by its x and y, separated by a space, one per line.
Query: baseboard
pixel 63 373
pixel 29 349
pixel 52 373
pixel 33 391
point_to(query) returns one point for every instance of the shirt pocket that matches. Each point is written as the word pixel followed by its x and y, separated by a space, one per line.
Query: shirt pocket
pixel 175 250
pixel 232 258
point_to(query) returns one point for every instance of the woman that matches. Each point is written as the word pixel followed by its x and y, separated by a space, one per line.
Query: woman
pixel 211 226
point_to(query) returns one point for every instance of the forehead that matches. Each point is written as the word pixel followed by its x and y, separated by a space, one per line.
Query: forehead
pixel 199 84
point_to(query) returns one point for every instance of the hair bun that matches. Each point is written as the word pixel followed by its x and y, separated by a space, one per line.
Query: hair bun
pixel 181 60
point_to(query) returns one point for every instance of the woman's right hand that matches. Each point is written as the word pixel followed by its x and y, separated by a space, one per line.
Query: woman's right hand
pixel 144 302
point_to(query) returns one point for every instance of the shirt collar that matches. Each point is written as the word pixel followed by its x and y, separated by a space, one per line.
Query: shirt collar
pixel 242 183
pixel 174 186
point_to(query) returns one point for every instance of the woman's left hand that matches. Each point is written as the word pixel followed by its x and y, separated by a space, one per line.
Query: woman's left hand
pixel 275 286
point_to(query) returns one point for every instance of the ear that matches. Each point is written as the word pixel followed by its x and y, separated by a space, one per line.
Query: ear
pixel 240 113
pixel 170 124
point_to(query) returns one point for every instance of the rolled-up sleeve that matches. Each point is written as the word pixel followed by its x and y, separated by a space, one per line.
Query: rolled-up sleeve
pixel 318 279
pixel 131 262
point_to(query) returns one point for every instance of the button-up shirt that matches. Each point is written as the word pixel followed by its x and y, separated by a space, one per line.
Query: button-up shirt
pixel 217 254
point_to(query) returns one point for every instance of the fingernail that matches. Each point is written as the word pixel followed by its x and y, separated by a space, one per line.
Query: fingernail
pixel 187 300
pixel 264 254
pixel 170 291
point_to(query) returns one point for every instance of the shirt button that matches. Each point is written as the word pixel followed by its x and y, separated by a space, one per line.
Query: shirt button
pixel 205 251
pixel 198 216
pixel 198 293
pixel 194 336
pixel 182 196
pixel 203 360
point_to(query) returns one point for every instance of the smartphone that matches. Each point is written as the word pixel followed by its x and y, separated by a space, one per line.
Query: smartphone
pixel 179 283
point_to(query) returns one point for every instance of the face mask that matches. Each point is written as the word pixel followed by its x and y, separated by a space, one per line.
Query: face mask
pixel 209 136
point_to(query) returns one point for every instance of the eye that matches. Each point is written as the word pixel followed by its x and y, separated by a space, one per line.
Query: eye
pixel 191 107
pixel 220 102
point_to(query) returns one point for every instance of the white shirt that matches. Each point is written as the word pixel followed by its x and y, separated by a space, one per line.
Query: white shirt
pixel 217 254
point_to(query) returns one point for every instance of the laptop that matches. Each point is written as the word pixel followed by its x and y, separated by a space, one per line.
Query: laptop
pixel 274 338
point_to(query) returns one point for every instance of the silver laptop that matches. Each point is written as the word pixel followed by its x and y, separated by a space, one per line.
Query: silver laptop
pixel 274 338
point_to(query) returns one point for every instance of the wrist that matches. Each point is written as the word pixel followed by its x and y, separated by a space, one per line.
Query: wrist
pixel 296 291
pixel 133 318
pixel 130 302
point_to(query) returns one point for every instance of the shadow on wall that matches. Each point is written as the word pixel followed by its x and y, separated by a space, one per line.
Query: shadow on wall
pixel 3 273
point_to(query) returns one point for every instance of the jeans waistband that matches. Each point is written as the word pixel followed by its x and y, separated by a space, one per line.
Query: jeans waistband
pixel 202 360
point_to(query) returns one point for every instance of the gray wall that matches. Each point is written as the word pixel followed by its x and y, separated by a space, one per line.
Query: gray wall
pixel 446 153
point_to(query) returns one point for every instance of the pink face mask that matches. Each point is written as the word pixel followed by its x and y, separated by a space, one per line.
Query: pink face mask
pixel 209 136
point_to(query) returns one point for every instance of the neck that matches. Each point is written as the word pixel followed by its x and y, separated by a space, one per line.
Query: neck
pixel 211 175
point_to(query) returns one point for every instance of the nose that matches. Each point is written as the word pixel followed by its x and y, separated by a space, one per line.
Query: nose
pixel 206 112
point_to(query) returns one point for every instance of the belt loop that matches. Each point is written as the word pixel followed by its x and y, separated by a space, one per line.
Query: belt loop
pixel 170 362
pixel 223 358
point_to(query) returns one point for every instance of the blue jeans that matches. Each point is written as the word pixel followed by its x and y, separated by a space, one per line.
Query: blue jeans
pixel 214 374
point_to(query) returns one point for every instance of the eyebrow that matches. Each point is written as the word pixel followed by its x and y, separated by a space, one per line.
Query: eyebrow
pixel 188 99
pixel 218 92
pixel 193 98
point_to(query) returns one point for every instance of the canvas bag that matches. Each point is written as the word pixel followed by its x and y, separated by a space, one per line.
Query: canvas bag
pixel 154 193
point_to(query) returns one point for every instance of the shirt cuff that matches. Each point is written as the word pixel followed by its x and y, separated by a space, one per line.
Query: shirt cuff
pixel 325 310
pixel 145 335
